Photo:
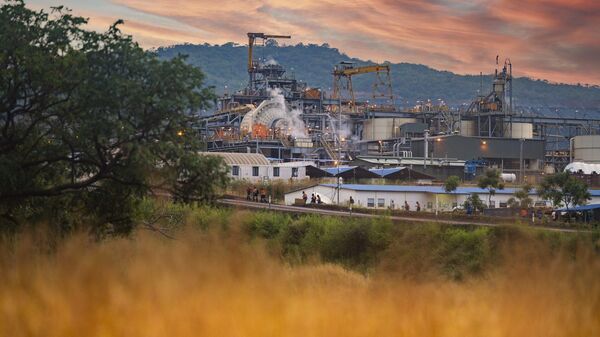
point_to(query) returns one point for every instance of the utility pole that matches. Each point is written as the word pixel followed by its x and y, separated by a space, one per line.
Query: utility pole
pixel 339 141
pixel 521 141
pixel 426 149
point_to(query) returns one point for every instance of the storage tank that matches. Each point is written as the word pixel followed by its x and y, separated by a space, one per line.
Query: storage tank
pixel 383 128
pixel 508 177
pixel 518 130
pixel 586 149
pixel 468 128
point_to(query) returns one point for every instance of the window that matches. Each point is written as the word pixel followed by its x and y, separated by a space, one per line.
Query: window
pixel 235 170
pixel 275 171
pixel 294 172
pixel 503 205
pixel 380 202
pixel 255 171
pixel 371 202
pixel 493 204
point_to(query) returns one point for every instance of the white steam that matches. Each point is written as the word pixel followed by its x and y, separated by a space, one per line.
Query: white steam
pixel 270 62
pixel 289 121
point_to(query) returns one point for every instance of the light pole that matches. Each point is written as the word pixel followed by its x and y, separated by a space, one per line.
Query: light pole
pixel 521 141
pixel 339 147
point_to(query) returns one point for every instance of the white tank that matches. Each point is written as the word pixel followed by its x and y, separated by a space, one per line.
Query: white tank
pixel 518 130
pixel 586 149
pixel 549 169
pixel 468 128
pixel 384 128
pixel 508 177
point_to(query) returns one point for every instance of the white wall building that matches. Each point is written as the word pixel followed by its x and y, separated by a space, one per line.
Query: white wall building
pixel 256 167
pixel 431 198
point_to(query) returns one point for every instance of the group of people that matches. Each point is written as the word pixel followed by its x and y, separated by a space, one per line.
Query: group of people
pixel 314 198
pixel 406 206
pixel 252 194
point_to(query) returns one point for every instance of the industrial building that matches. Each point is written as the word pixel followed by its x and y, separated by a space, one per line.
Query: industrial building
pixel 430 198
pixel 281 117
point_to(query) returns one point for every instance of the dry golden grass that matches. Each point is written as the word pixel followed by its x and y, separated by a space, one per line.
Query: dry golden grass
pixel 211 285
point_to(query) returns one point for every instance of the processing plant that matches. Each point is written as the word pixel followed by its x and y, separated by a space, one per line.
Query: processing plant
pixel 287 120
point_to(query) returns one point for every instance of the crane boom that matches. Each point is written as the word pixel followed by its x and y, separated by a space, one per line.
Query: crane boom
pixel 252 38
pixel 361 70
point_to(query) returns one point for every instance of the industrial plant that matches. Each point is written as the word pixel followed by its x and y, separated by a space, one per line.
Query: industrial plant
pixel 287 120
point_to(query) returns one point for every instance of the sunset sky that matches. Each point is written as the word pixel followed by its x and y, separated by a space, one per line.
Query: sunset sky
pixel 558 40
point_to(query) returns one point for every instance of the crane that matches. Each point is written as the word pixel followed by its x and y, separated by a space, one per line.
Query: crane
pixel 252 39
pixel 345 71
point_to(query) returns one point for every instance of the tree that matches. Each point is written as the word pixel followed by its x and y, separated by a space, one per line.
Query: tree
pixel 521 198
pixel 451 184
pixel 491 181
pixel 564 189
pixel 91 121
pixel 474 202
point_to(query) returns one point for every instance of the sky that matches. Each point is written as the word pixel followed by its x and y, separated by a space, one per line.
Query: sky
pixel 557 40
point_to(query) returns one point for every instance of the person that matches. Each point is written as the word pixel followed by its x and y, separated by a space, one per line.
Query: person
pixel 263 194
pixel 351 201
pixel 392 205
pixel 319 199
pixel 406 206
pixel 313 199
pixel 418 207
pixel 255 194
pixel 304 197
pixel 249 193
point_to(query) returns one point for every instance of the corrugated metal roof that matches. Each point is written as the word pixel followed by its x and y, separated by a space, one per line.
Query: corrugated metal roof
pixel 432 189
pixel 232 158
pixel 425 189
pixel 580 208
pixel 386 171
pixel 336 170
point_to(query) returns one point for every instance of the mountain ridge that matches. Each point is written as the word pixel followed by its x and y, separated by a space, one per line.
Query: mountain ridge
pixel 225 65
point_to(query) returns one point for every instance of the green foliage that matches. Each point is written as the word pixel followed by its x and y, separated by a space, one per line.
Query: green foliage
pixel 268 225
pixel 426 251
pixel 474 202
pixel 491 181
pixel 521 197
pixel 564 189
pixel 464 252
pixel 451 183
pixel 95 121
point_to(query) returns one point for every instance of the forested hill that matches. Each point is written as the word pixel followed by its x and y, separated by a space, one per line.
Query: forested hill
pixel 225 65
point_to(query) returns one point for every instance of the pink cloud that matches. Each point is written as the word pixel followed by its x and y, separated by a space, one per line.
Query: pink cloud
pixel 553 39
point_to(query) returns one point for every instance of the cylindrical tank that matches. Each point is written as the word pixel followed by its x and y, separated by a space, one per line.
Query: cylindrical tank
pixel 508 177
pixel 549 169
pixel 468 128
pixel 586 149
pixel 518 130
pixel 384 128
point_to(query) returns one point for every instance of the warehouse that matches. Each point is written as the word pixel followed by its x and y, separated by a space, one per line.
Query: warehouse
pixel 430 198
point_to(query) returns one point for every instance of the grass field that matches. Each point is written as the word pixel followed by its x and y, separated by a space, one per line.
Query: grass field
pixel 238 273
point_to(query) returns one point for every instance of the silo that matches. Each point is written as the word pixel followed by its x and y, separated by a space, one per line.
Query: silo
pixel 586 149
pixel 383 128
pixel 518 130
pixel 468 128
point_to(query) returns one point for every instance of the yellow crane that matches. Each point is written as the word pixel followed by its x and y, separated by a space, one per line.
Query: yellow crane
pixel 342 80
pixel 252 39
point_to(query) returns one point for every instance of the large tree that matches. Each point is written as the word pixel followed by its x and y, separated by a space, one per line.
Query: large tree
pixel 92 121
pixel 564 189
pixel 491 181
